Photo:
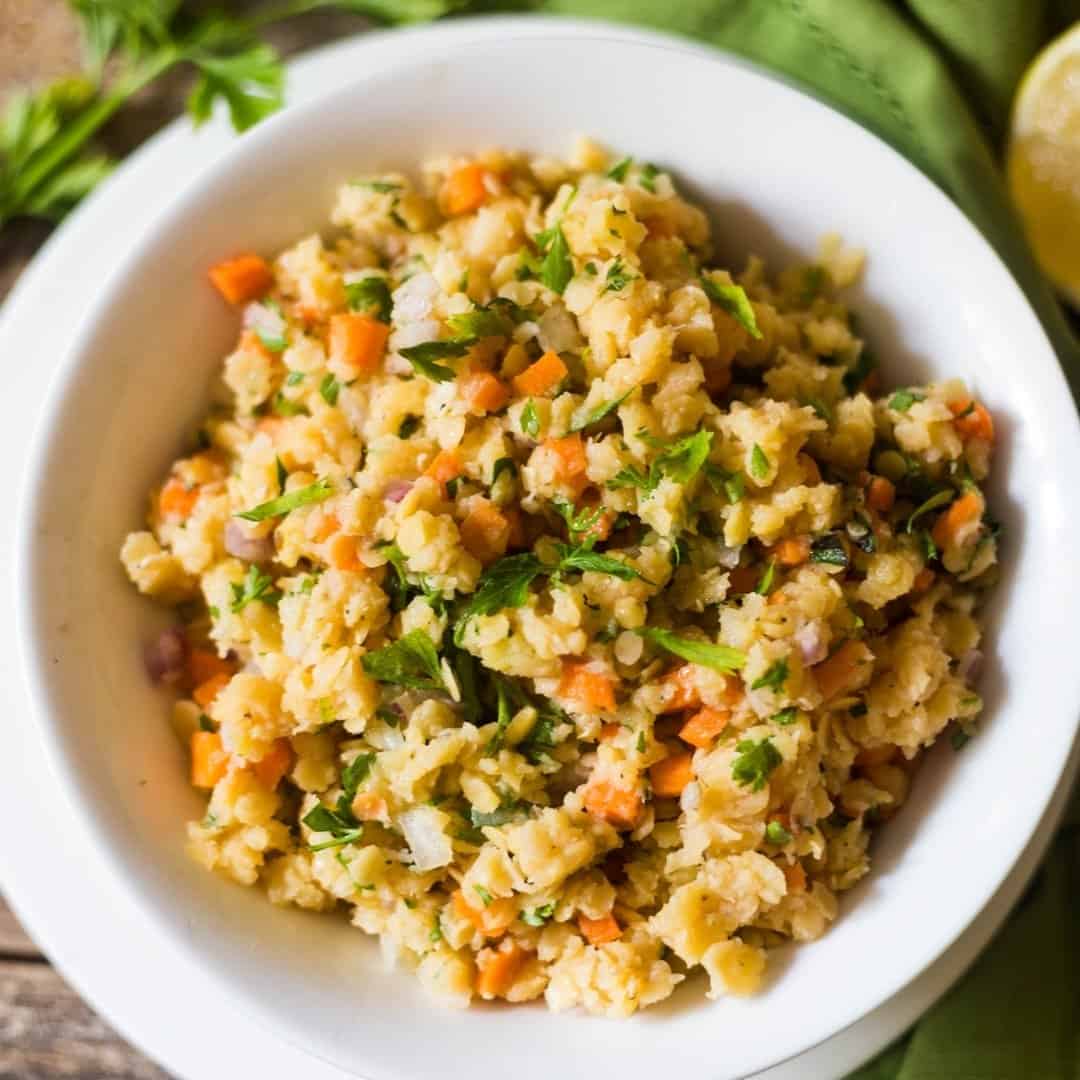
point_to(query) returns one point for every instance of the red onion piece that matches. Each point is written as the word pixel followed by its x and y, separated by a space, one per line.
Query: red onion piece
pixel 812 644
pixel 970 665
pixel 165 658
pixel 244 546
pixel 396 490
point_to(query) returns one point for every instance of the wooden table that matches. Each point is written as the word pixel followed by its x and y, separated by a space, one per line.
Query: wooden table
pixel 46 1030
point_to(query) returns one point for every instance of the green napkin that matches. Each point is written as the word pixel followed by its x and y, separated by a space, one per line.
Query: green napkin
pixel 935 79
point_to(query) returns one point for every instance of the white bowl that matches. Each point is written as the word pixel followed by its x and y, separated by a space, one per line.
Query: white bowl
pixel 777 169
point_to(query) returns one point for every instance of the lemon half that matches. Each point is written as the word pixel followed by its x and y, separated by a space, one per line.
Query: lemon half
pixel 1043 160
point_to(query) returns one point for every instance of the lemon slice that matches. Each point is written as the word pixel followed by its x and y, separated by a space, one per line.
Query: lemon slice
pixel 1044 160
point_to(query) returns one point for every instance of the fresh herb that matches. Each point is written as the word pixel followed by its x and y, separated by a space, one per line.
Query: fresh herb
pixel 256 586
pixel 538 915
pixel 503 464
pixel 618 171
pixel 733 300
pixel 485 896
pixel 683 459
pixel 774 678
pixel 775 833
pixel 329 388
pixel 731 485
pixel 820 408
pixel 273 342
pixel 541 737
pixel 632 476
pixel 436 931
pixel 786 717
pixel 765 582
pixel 829 550
pixel 355 773
pixel 283 504
pixel 283 406
pixel 590 269
pixel 504 812
pixel 759 463
pixel 307 584
pixel 813 281
pixel 641 742
pixel 720 658
pixel 617 277
pixel 505 584
pixel 410 661
pixel 586 560
pixel 647 177
pixel 578 522
pixel 206 724
pixel 423 358
pixel 902 400
pixel 214 612
pixel 754 762
pixel 507 700
pixel 939 498
pixel 481 323
pixel 530 421
pixel 959 738
pixel 370 295
pixel 581 421
pixel 282 474
pixel 408 426
pixel 339 823
pixel 387 716
pixel 556 267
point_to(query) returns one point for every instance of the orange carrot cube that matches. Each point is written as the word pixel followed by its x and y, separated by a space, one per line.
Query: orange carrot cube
pixel 357 341
pixel 209 761
pixel 247 277
pixel 465 189
pixel 671 775
pixel 542 376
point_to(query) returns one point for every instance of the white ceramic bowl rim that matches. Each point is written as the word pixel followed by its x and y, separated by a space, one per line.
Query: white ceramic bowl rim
pixel 32 568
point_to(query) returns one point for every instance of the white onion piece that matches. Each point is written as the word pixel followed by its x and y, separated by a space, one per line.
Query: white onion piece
pixel 690 799
pixel 415 333
pixel 970 665
pixel 415 299
pixel 628 647
pixel 557 330
pixel 266 321
pixel 423 828
pixel 812 643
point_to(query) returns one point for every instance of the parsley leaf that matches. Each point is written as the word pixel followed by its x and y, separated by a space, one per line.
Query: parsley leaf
pixel 530 421
pixel 618 170
pixel 902 400
pixel 684 459
pixel 370 295
pixel 491 321
pixel 503 464
pixel 776 834
pixel 754 762
pixel 765 582
pixel 329 388
pixel 774 678
pixel 505 584
pixel 617 277
pixel 339 823
pixel 539 915
pixel 759 463
pixel 585 560
pixel 410 661
pixel 647 177
pixel 556 268
pixel 720 658
pixel 733 300
pixel 305 496
pixel 423 358
pixel 786 717
pixel 256 586
pixel 580 421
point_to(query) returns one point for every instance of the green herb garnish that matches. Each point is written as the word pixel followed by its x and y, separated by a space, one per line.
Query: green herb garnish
pixel 329 388
pixel 754 762
pixel 424 358
pixel 256 586
pixel 720 658
pixel 283 504
pixel 759 463
pixel 530 421
pixel 370 295
pixel 774 678
pixel 618 171
pixel 733 300
pixel 410 661
pixel 902 400
pixel 775 833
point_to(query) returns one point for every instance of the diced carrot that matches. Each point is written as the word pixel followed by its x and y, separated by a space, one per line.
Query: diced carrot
pixel 744 579
pixel 671 775
pixel 357 341
pixel 776 599
pixel 704 726
pixel 792 551
pixel 445 467
pixel 839 671
pixel 485 532
pixel 599 931
pixel 972 419
pixel 923 580
pixel 542 376
pixel 962 512
pixel 322 525
pixel 811 472
pixel 497 969
pixel 250 342
pixel 484 392
pixel 204 664
pixel 205 692
pixel 274 764
pixel 270 425
pixel 795 876
pixel 516 520
pixel 880 494
pixel 209 761
pixel 604 523
pixel 593 691
pixel 875 755
pixel 465 189
pixel 367 806
pixel 570 459
pixel 176 499
pixel 609 731
pixel 618 806
pixel 344 552
pixel 680 689
pixel 734 691
pixel 247 277
pixel 490 919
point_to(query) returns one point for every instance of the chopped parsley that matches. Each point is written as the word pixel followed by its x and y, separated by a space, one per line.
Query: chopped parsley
pixel 754 762
pixel 759 463
pixel 283 406
pixel 384 187
pixel 556 267
pixel 786 717
pixel 256 586
pixel 829 550
pixel 530 421
pixel 776 834
pixel 581 421
pixel 774 678
pixel 647 177
pixel 410 661
pixel 618 171
pixel 538 915
pixel 283 504
pixel 485 896
pixel 425 356
pixel 617 277
pixel 370 295
pixel 765 582
pixel 902 400
pixel 733 300
pixel 409 425
pixel 731 485
pixel 340 824
pixel 939 498
pixel 282 474
pixel 294 378
pixel 329 388
pixel 720 658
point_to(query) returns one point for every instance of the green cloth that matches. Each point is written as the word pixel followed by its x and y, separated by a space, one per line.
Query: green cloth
pixel 935 78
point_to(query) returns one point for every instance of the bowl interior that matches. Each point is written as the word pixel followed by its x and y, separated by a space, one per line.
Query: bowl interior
pixel 777 170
